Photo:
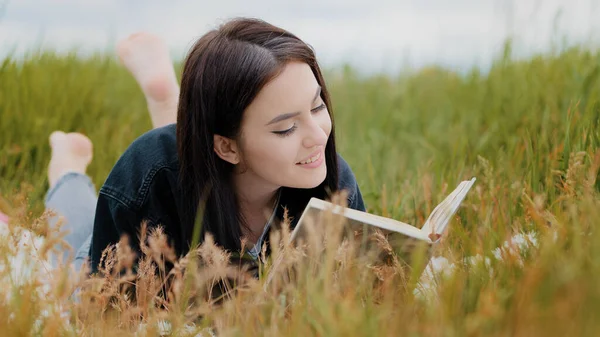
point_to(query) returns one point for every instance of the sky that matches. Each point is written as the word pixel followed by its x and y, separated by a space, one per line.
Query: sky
pixel 374 35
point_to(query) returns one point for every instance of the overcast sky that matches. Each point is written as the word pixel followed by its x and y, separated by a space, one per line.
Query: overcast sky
pixel 375 35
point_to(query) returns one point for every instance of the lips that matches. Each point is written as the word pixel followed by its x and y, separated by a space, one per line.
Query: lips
pixel 312 158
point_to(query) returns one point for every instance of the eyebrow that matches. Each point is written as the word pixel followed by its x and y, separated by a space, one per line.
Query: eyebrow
pixel 292 114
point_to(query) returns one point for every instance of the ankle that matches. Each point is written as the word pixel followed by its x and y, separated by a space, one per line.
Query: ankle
pixel 161 90
pixel 163 113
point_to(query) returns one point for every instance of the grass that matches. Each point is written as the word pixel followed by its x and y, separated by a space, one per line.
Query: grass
pixel 528 130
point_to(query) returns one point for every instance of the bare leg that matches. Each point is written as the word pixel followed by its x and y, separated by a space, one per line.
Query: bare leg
pixel 147 58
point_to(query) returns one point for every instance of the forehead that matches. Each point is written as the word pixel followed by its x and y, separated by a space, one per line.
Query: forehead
pixel 292 90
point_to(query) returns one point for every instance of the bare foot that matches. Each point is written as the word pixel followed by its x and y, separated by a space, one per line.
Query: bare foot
pixel 71 152
pixel 146 56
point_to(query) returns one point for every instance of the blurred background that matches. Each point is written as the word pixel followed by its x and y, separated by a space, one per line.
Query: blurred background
pixel 372 36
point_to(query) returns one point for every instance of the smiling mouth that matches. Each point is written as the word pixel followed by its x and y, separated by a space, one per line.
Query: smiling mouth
pixel 311 159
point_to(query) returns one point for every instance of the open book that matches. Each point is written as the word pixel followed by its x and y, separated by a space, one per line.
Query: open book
pixel 435 225
pixel 402 237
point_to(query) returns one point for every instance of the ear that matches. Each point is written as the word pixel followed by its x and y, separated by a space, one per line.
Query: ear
pixel 227 149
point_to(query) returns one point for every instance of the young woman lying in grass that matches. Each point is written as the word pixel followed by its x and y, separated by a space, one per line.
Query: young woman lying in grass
pixel 254 136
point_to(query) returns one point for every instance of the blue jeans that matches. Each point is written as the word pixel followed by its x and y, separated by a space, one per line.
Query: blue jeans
pixel 74 199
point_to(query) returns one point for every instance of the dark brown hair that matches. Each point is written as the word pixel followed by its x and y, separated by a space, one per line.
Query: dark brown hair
pixel 223 72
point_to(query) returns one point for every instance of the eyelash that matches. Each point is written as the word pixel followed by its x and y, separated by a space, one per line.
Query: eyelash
pixel 291 130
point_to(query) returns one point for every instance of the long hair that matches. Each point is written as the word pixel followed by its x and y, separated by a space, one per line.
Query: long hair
pixel 223 73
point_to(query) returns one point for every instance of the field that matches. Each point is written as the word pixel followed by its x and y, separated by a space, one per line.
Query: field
pixel 527 129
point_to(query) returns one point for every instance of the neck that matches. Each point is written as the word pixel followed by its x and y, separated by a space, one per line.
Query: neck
pixel 256 200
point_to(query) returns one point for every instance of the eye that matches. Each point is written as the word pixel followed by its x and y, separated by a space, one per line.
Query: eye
pixel 287 132
pixel 319 108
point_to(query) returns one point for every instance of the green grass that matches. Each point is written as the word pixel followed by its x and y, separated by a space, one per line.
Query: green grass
pixel 528 130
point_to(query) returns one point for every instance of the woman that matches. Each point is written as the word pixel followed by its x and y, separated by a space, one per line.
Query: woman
pixel 254 135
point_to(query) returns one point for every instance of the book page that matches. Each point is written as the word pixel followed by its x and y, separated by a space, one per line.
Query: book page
pixel 442 214
pixel 360 217
pixel 369 240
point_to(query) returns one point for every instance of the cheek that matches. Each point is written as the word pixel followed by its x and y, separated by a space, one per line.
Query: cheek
pixel 271 156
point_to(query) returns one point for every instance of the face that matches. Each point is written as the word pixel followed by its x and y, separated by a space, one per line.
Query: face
pixel 285 130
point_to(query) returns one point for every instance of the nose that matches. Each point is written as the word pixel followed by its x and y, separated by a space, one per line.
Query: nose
pixel 317 133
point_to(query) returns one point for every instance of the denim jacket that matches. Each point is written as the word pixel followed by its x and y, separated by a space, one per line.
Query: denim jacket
pixel 143 186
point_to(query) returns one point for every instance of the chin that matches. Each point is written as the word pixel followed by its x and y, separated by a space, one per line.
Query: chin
pixel 314 180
